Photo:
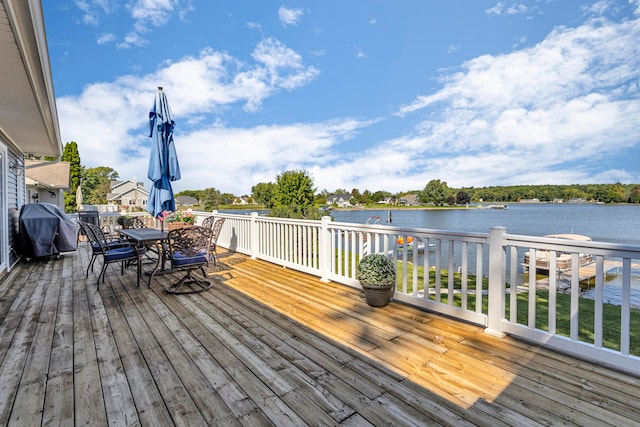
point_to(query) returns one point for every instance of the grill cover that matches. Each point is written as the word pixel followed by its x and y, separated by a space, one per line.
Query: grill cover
pixel 45 230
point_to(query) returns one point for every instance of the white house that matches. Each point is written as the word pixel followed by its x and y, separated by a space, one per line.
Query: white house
pixel 340 200
pixel 410 200
pixel 128 194
pixel 28 114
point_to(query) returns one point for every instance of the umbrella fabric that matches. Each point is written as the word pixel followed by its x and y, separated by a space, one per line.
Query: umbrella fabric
pixel 79 197
pixel 163 161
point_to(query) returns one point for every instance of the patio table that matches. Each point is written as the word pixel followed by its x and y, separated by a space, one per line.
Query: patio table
pixel 149 236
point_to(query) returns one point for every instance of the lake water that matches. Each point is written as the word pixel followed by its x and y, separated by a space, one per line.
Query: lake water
pixel 603 223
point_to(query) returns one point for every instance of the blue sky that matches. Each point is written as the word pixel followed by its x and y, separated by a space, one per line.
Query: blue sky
pixel 375 94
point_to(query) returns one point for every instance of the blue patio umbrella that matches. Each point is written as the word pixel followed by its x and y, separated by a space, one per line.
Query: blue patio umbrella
pixel 163 161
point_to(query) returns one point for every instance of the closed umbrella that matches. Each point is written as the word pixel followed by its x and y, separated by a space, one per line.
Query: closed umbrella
pixel 163 161
pixel 79 197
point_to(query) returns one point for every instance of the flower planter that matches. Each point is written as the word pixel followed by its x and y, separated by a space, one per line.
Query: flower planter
pixel 177 224
pixel 377 296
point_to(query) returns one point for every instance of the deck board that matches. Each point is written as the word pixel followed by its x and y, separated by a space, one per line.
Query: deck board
pixel 271 346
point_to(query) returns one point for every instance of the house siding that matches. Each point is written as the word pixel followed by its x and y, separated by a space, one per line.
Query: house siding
pixel 15 199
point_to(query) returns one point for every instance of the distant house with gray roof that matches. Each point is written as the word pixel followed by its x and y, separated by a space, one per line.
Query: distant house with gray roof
pixel 186 201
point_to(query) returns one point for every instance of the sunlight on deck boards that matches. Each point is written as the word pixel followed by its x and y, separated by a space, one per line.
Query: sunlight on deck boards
pixel 271 346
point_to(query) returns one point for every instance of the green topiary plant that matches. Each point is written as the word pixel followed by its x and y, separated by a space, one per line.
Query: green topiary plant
pixel 376 270
pixel 122 219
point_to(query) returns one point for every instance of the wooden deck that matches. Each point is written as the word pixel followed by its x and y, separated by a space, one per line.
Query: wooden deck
pixel 270 346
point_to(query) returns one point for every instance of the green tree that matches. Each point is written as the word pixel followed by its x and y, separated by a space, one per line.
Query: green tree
pixel 263 193
pixel 71 155
pixel 365 199
pixel 321 197
pixel 379 196
pixel 462 198
pixel 356 197
pixel 435 192
pixel 96 184
pixel 634 197
pixel 211 198
pixel 294 196
pixel 227 198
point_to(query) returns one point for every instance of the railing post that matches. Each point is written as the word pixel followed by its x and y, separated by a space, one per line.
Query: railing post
pixel 496 281
pixel 254 236
pixel 324 249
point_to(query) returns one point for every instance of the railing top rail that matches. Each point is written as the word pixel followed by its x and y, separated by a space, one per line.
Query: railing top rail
pixel 390 229
pixel 307 222
pixel 571 245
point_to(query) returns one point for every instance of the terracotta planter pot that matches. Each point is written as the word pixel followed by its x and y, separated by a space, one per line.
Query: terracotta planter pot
pixel 176 225
pixel 377 296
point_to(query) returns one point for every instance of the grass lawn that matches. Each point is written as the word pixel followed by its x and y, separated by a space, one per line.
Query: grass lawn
pixel 611 312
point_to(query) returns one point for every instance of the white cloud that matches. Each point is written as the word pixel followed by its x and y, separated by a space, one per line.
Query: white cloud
pixel 516 9
pixel 512 9
pixel 106 38
pixel 146 15
pixel 564 100
pixel 89 17
pixel 597 8
pixel 289 16
pixel 154 12
pixel 108 120
pixel 497 9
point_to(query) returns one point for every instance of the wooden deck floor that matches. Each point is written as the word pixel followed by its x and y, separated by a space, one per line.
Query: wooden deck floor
pixel 270 346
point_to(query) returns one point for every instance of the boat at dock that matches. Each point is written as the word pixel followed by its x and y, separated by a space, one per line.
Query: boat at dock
pixel 563 259
pixel 493 206
pixel 410 245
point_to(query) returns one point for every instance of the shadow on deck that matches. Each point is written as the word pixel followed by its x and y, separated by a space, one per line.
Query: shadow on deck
pixel 271 346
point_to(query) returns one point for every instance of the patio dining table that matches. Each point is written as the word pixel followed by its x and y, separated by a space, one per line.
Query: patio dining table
pixel 147 237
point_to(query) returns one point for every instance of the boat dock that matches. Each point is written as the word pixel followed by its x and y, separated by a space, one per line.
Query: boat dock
pixel 585 272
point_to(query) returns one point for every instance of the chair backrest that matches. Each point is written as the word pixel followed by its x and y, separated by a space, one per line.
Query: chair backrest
pixel 84 230
pixel 134 222
pixel 208 221
pixel 96 236
pixel 91 217
pixel 217 226
pixel 190 242
pixel 88 217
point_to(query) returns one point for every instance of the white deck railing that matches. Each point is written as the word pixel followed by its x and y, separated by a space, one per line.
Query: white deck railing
pixel 476 277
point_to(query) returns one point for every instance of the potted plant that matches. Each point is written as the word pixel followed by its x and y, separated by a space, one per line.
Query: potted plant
pixel 377 275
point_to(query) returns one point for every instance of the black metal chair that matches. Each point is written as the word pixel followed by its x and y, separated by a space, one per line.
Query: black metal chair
pixel 189 250
pixel 94 246
pixel 123 254
pixel 134 222
pixel 216 226
pixel 89 217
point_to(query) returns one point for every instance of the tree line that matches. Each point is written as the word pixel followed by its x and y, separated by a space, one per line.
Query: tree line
pixel 437 192
pixel 293 194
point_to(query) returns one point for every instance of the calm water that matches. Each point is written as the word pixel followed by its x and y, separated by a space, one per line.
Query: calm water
pixel 603 223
